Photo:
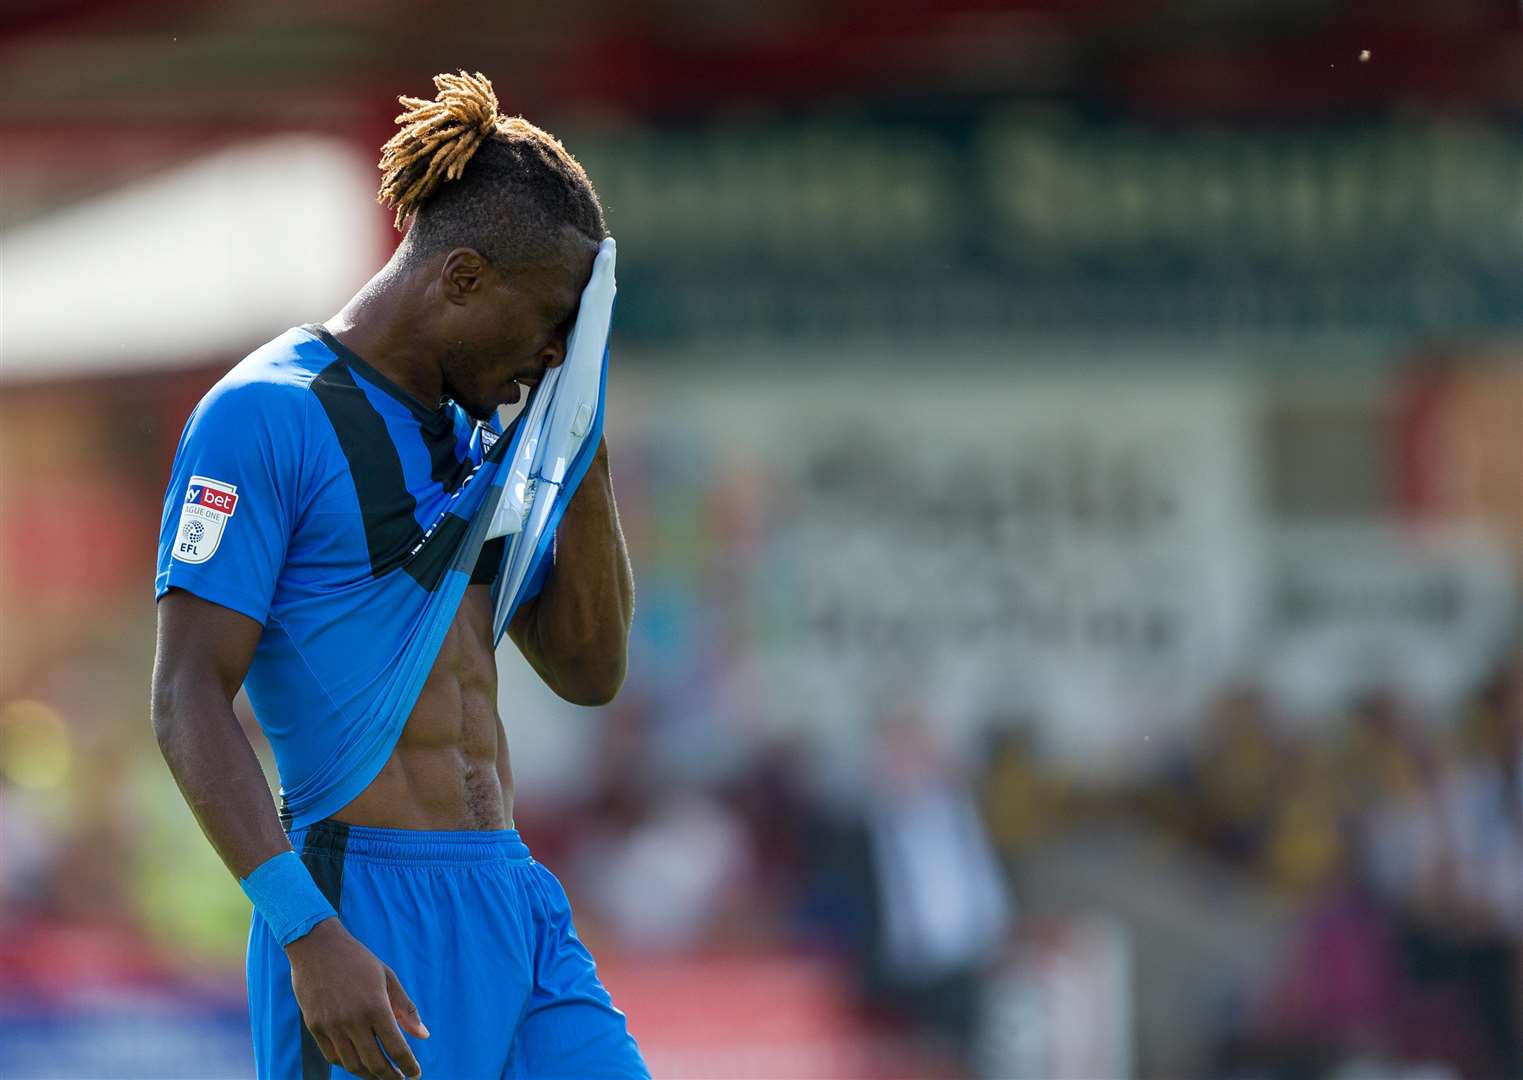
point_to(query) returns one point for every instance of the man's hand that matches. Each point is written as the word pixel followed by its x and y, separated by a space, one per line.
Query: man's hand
pixel 353 1004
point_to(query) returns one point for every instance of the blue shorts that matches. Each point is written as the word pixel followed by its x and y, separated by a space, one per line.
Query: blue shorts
pixel 480 936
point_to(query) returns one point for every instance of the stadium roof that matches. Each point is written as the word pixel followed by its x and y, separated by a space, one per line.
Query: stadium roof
pixel 109 285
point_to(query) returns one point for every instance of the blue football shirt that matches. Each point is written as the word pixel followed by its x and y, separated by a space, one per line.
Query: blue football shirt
pixel 318 498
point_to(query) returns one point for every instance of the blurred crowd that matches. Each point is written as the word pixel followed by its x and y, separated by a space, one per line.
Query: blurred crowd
pixel 1397 841
pixel 1383 849
pixel 1386 847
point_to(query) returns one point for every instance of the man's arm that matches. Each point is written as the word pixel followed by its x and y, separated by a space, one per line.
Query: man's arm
pixel 575 633
pixel 348 997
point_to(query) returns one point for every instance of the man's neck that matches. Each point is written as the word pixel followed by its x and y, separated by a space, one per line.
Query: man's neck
pixel 381 323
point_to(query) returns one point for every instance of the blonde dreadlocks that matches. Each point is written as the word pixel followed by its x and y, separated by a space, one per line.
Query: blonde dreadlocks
pixel 467 176
pixel 436 140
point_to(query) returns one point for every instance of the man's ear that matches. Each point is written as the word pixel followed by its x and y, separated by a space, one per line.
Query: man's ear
pixel 464 272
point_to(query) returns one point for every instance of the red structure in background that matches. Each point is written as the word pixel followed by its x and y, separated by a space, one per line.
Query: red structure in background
pixel 755 1016
pixel 1455 427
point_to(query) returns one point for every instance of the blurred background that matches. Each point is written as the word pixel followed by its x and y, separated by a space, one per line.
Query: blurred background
pixel 1071 453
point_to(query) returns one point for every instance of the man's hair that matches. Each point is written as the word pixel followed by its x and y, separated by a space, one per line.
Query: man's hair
pixel 469 177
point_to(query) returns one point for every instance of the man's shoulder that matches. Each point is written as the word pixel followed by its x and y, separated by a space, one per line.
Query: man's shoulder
pixel 270 383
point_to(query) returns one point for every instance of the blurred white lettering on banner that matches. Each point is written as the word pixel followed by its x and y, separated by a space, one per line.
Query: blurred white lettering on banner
pixel 1043 550
pixel 1359 607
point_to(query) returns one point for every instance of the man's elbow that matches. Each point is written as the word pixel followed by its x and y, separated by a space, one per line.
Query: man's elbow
pixel 594 681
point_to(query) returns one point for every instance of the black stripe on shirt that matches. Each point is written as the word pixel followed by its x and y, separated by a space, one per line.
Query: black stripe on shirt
pixel 387 508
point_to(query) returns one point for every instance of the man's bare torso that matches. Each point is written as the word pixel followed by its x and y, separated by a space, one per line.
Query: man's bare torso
pixel 450 768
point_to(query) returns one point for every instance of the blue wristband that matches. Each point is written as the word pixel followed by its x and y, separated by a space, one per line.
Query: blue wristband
pixel 284 893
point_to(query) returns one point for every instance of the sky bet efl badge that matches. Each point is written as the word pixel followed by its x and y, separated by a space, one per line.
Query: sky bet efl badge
pixel 208 504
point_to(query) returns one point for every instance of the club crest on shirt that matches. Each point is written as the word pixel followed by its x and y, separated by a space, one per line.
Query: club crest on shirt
pixel 203 516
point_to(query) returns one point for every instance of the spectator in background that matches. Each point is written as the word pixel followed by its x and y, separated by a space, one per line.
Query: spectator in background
pixel 774 796
pixel 661 865
pixel 1236 780
pixel 1025 800
pixel 1449 857
pixel 1337 997
pixel 671 878
pixel 934 915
